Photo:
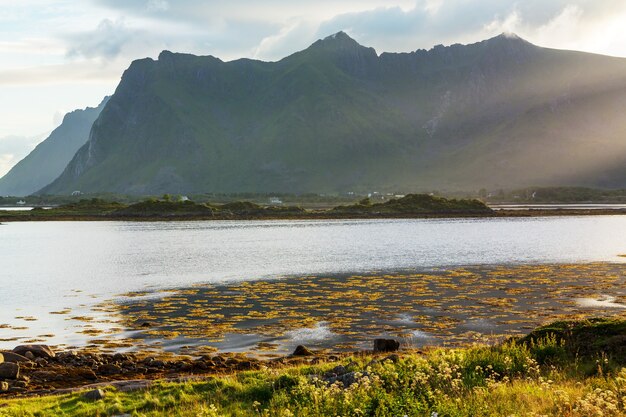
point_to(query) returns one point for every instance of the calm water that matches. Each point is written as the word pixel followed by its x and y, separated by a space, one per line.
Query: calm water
pixel 556 206
pixel 49 266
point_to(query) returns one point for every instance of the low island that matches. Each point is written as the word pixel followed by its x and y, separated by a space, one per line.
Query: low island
pixel 409 206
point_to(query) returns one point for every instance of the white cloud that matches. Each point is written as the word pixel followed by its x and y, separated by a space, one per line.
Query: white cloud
pixel 158 5
pixel 71 72
pixel 276 11
pixel 53 54
pixel 106 41
pixel 563 28
pixel 292 37
pixel 510 24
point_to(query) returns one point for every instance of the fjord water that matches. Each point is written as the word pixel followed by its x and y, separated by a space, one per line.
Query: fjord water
pixel 50 266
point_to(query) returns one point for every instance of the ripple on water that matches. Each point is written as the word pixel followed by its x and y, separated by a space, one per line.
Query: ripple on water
pixel 320 332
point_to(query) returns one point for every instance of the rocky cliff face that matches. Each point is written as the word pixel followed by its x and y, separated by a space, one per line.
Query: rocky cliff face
pixel 48 160
pixel 339 117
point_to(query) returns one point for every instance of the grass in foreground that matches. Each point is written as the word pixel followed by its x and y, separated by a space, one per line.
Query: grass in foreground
pixel 545 375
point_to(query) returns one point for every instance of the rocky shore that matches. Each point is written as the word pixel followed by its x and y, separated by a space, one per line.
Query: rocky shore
pixel 39 370
pixel 565 368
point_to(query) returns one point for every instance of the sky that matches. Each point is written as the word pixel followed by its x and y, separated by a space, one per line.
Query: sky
pixel 60 55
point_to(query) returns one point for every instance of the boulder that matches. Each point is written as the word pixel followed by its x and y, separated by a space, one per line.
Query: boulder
pixel 84 373
pixel 13 357
pixel 4 386
pixel 393 358
pixel 68 356
pixel 136 385
pixel 20 384
pixel 302 351
pixel 232 362
pixel 245 365
pixel 41 362
pixel 44 376
pixel 109 369
pixel 386 345
pixel 218 359
pixel 94 395
pixel 40 351
pixel 346 379
pixel 157 363
pixel 336 371
pixel 9 370
pixel 120 357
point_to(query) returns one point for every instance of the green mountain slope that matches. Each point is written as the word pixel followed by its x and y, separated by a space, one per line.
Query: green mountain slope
pixel 47 161
pixel 339 117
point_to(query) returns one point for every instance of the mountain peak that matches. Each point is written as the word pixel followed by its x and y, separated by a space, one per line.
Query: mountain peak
pixel 508 37
pixel 347 53
pixel 339 36
pixel 338 41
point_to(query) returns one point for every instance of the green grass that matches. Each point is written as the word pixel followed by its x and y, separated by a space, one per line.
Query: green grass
pixel 513 379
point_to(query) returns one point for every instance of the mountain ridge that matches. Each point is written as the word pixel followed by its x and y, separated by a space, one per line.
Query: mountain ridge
pixel 47 161
pixel 337 116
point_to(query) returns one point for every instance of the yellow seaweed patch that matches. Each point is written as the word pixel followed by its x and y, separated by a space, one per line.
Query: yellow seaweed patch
pixel 456 306
pixel 26 318
pixel 64 311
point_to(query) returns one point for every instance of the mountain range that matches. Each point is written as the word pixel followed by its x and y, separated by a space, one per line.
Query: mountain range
pixel 48 160
pixel 338 116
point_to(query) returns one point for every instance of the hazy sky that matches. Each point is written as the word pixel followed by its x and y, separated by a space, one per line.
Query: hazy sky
pixel 56 56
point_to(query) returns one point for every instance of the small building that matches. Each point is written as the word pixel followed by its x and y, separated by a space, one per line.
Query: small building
pixel 275 200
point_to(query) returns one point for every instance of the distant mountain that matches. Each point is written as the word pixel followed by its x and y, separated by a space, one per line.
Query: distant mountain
pixel 339 117
pixel 14 148
pixel 47 161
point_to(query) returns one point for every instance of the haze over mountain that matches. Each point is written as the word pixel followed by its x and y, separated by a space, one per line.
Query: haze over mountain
pixel 47 161
pixel 339 117
pixel 14 148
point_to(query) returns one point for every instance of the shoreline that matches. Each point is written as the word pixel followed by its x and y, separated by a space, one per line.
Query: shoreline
pixel 40 370
pixel 27 216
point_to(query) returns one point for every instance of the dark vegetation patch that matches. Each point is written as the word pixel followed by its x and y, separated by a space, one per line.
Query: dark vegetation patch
pixel 416 204
pixel 595 338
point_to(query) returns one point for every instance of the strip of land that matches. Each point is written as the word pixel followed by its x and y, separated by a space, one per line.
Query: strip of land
pixel 410 206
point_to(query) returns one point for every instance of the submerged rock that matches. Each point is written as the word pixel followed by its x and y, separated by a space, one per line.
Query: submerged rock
pixel 302 351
